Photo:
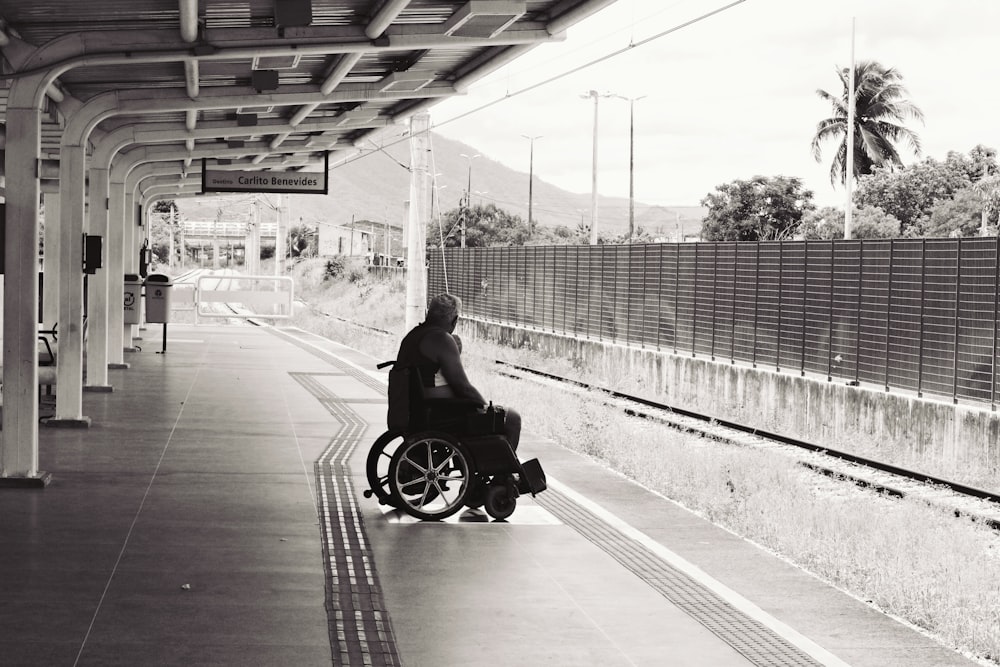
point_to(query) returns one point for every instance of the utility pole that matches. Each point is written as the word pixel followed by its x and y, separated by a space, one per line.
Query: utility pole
pixel 631 162
pixel 849 167
pixel 468 195
pixel 593 183
pixel 531 180
pixel 420 187
pixel 172 227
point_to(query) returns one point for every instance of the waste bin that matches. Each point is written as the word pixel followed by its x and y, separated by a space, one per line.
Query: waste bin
pixel 158 288
pixel 133 292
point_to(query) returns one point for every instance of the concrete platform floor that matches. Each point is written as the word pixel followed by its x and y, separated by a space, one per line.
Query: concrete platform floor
pixel 212 515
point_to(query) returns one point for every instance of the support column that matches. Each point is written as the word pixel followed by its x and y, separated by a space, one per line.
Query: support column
pixel 69 370
pixel 19 443
pixel 131 260
pixel 97 287
pixel 420 193
pixel 116 274
pixel 50 289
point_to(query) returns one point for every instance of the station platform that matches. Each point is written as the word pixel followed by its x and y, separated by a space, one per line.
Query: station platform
pixel 212 514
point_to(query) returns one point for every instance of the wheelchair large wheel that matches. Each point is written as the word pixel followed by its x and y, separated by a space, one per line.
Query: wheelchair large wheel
pixel 377 468
pixel 430 475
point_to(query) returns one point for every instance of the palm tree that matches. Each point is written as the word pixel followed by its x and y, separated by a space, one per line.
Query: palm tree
pixel 880 104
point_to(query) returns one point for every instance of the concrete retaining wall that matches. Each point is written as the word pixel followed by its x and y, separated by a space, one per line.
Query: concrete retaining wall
pixel 931 435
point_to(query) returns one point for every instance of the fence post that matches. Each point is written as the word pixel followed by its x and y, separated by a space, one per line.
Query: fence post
pixel 756 298
pixel 857 319
pixel 576 290
pixel 645 263
pixel 781 284
pixel 805 294
pixel 590 280
pixel 677 286
pixel 996 313
pixel 829 334
pixel 628 294
pixel 659 293
pixel 958 315
pixel 694 312
pixel 732 336
pixel 888 309
pixel 920 348
pixel 715 287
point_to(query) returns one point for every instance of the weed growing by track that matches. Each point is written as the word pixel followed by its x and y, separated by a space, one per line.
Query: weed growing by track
pixel 913 561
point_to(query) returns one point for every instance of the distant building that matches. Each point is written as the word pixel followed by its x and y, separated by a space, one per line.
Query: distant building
pixel 343 240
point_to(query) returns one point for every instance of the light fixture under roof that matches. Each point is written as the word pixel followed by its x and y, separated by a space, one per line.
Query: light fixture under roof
pixel 484 18
pixel 357 116
pixel 277 62
pixel 408 81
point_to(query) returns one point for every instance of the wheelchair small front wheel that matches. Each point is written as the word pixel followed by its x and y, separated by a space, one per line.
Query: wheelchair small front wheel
pixel 430 474
pixel 500 502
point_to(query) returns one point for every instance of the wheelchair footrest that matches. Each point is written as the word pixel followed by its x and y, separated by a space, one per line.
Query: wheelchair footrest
pixel 534 477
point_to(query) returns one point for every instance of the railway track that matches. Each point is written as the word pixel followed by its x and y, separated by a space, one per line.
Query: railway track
pixel 965 501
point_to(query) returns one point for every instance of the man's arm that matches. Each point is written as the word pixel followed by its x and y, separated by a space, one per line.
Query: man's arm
pixel 442 349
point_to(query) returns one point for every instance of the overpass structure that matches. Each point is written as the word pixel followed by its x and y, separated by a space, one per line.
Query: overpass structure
pixel 110 106
pixel 209 230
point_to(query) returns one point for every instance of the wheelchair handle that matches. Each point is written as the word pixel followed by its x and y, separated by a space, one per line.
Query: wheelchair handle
pixel 385 363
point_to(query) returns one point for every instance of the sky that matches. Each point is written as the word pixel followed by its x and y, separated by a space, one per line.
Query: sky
pixel 728 97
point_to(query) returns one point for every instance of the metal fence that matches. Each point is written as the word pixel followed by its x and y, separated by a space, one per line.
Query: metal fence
pixel 916 314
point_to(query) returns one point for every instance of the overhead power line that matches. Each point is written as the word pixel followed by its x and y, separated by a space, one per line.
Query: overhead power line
pixel 562 75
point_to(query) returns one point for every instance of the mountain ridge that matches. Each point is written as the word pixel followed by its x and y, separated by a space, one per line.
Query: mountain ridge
pixel 374 187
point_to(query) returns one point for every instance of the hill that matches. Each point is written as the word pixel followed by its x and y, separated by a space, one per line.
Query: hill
pixel 376 186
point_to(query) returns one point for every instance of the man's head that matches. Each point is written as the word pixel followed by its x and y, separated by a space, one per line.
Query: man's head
pixel 443 311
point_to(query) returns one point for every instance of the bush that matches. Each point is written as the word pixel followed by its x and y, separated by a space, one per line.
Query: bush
pixel 335 267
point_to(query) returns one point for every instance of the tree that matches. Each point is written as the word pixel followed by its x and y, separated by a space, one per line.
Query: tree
pixel 911 193
pixel 559 235
pixel 161 230
pixel 760 209
pixel 304 241
pixel 958 216
pixel 869 222
pixel 485 226
pixel 879 105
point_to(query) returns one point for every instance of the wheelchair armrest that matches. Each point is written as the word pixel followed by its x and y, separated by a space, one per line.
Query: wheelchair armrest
pixel 452 401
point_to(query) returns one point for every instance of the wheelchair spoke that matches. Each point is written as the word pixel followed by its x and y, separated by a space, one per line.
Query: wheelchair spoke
pixel 416 466
pixel 449 459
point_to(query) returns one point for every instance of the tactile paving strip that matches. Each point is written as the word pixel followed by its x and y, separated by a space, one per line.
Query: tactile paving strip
pixel 757 643
pixel 360 627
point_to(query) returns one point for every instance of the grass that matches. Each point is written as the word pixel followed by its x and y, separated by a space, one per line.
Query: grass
pixel 921 564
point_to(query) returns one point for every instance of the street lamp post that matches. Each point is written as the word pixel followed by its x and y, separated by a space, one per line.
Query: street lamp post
pixel 631 162
pixel 531 179
pixel 468 194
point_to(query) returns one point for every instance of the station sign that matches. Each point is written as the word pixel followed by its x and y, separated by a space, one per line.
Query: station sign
pixel 263 180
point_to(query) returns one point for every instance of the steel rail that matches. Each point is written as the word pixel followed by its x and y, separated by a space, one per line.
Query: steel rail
pixel 955 487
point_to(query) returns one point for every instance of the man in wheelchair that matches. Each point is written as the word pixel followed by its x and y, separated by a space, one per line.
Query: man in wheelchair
pixel 446 447
pixel 435 353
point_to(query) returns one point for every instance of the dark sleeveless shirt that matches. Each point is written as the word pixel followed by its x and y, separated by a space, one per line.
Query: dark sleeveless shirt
pixel 410 355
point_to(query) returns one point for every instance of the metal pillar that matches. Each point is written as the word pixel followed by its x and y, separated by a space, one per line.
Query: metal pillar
pixel 420 192
pixel 69 370
pixel 97 288
pixel 19 444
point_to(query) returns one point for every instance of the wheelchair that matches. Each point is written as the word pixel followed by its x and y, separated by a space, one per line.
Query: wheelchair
pixel 442 455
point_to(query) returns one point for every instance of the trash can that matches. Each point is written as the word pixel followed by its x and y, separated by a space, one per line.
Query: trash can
pixel 158 288
pixel 133 293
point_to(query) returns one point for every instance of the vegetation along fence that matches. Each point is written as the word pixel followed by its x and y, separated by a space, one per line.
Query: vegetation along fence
pixel 915 314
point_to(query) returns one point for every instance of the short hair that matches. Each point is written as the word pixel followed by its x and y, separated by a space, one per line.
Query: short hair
pixel 444 308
